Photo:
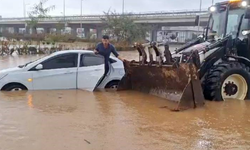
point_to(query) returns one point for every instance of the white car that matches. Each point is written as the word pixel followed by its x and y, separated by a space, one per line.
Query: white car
pixel 71 69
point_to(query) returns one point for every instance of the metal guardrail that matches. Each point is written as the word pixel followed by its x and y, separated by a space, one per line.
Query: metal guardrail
pixel 98 17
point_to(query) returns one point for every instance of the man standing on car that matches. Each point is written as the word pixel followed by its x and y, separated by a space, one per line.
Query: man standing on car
pixel 105 48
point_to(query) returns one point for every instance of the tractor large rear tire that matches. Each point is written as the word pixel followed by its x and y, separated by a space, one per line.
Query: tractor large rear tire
pixel 227 80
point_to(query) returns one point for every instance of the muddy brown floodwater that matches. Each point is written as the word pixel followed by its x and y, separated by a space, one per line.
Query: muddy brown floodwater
pixel 79 120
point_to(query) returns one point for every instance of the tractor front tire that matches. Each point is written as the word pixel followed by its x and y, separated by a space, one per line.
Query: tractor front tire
pixel 227 80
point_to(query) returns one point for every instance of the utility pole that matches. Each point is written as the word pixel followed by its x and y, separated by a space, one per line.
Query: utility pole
pixel 212 2
pixel 123 6
pixel 64 8
pixel 24 8
pixel 81 14
pixel 199 16
pixel 64 5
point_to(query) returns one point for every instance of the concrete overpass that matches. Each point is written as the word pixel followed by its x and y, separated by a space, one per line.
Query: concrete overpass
pixel 156 20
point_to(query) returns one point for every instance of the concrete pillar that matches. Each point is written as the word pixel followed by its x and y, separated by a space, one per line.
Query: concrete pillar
pixel 27 30
pixel 153 35
pixel 87 32
pixel 33 31
pixel 16 30
pixel 74 31
pixel 47 30
pixel 1 29
pixel 58 30
pixel 99 33
pixel 5 29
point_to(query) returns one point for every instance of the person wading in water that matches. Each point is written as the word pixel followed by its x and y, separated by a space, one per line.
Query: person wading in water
pixel 105 48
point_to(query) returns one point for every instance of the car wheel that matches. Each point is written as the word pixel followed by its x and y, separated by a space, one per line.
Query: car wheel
pixel 112 85
pixel 15 87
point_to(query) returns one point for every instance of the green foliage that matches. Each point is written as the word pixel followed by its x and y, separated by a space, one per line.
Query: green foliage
pixel 39 11
pixel 59 27
pixel 123 27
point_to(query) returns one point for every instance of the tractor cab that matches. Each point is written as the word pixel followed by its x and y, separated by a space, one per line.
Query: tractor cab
pixel 226 18
pixel 230 18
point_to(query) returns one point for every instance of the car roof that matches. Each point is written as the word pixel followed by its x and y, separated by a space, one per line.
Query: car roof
pixel 78 51
pixel 73 51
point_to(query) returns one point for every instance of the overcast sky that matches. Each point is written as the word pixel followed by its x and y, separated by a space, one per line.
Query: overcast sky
pixel 14 8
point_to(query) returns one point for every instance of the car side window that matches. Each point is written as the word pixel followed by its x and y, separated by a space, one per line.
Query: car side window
pixel 91 60
pixel 62 61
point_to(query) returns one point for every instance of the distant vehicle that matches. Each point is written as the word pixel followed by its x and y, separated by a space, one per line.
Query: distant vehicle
pixel 71 69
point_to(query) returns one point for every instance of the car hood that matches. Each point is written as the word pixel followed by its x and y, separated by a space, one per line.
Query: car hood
pixel 6 71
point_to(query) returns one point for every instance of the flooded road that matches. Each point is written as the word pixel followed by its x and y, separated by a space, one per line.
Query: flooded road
pixel 79 120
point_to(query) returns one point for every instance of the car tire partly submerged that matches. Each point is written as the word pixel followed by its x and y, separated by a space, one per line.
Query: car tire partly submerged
pixel 112 85
pixel 15 87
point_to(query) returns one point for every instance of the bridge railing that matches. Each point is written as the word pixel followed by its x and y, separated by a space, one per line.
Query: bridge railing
pixel 98 17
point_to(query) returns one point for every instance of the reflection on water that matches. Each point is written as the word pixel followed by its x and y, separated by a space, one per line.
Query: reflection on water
pixel 75 119
pixel 30 101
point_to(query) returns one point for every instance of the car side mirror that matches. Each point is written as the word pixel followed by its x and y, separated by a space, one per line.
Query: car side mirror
pixel 247 13
pixel 39 67
pixel 197 20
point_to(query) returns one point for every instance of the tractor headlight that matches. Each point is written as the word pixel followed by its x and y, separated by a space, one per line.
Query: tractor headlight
pixel 245 32
pixel 212 9
pixel 244 4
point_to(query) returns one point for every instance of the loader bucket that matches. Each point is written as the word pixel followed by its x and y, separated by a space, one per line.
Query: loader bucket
pixel 180 85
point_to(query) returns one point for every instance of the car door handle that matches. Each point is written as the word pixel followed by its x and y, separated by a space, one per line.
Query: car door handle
pixel 97 69
pixel 69 72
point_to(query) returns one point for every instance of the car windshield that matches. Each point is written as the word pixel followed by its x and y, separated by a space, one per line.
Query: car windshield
pixel 25 65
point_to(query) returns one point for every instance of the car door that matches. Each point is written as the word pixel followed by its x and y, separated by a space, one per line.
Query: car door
pixel 90 71
pixel 58 73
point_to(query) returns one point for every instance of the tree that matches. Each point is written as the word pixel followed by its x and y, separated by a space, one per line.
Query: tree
pixel 59 27
pixel 123 27
pixel 39 11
